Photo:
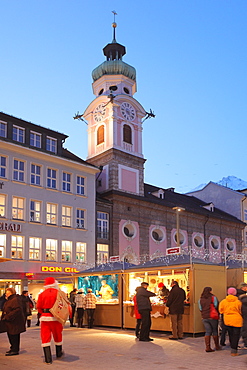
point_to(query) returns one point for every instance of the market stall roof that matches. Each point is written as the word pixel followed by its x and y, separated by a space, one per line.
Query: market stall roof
pixel 2 259
pixel 108 267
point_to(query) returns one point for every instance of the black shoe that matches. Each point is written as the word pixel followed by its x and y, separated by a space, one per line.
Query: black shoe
pixel 144 340
pixel 8 351
pixel 11 353
pixel 150 339
pixel 223 344
pixel 180 338
pixel 172 338
pixel 73 326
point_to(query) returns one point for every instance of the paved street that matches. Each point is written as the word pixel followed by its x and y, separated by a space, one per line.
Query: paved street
pixel 113 349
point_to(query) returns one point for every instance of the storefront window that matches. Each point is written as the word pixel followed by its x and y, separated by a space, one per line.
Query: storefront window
pixel 105 287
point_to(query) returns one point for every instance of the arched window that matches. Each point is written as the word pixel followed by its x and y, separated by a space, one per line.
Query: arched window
pixel 127 137
pixel 100 135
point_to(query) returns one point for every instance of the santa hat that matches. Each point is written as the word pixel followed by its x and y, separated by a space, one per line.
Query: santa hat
pixel 160 285
pixel 50 282
pixel 232 291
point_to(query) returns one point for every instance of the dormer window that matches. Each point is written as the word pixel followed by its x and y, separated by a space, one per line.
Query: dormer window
pixel 35 139
pixel 3 129
pixel 209 206
pixel 127 134
pixel 51 144
pixel 18 134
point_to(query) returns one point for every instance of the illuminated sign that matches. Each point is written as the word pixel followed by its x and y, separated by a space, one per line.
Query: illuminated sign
pixel 175 250
pixel 10 227
pixel 29 274
pixel 58 269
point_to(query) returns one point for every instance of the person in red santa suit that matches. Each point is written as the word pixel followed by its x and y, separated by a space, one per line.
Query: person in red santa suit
pixel 49 324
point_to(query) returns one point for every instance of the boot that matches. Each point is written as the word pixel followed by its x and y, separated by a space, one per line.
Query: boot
pixel 216 342
pixel 207 342
pixel 59 352
pixel 79 323
pixel 47 353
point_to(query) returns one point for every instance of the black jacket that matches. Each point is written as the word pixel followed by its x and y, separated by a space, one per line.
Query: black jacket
pixel 175 300
pixel 243 299
pixel 13 315
pixel 142 299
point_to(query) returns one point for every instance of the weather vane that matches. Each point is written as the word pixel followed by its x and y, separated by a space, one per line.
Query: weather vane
pixel 115 13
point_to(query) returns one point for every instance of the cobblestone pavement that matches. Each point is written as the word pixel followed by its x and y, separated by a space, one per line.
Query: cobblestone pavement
pixel 113 349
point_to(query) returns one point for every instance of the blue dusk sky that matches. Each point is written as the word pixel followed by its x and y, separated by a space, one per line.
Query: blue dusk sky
pixel 190 58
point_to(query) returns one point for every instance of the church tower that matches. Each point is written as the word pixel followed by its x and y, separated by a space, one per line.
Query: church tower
pixel 115 124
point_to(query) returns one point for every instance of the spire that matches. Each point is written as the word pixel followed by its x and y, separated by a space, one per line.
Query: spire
pixel 114 25
pixel 114 51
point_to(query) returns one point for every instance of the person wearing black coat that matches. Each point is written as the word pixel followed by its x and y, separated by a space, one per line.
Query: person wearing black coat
pixel 175 302
pixel 13 320
pixel 144 308
pixel 243 299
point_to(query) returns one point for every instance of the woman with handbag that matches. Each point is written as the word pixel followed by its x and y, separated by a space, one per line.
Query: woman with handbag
pixel 230 307
pixel 208 305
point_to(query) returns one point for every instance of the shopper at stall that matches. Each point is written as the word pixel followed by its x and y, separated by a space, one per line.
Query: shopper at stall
pixel 106 291
pixel 230 307
pixel 243 300
pixel 175 302
pixel 137 315
pixel 79 304
pixel 27 307
pixel 144 308
pixel 211 325
pixel 49 324
pixel 242 289
pixel 163 292
pixel 72 302
pixel 90 305
pixel 13 320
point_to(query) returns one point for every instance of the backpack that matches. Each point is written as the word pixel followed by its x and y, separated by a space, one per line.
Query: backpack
pixel 61 308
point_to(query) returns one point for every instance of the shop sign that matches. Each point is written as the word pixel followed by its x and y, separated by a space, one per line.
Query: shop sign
pixel 30 275
pixel 58 269
pixel 175 250
pixel 114 258
pixel 5 226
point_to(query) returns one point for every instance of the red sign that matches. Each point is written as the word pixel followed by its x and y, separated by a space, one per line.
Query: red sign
pixel 175 250
pixel 114 259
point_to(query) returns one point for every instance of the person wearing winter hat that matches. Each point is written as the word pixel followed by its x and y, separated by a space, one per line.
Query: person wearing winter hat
pixel 230 307
pixel 49 324
pixel 163 291
pixel 242 289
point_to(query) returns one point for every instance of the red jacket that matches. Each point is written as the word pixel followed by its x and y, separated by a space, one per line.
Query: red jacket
pixel 46 300
pixel 136 312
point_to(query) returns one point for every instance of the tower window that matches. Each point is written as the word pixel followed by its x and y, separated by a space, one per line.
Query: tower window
pixel 126 90
pixel 101 91
pixel 100 135
pixel 127 137
pixel 113 88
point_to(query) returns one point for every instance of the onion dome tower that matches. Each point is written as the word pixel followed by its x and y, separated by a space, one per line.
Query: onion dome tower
pixel 115 123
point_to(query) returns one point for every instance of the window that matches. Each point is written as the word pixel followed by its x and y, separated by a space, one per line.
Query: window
pixel 17 245
pixel 102 225
pixel 3 166
pixel 80 218
pixel 2 205
pixel 35 139
pixel 51 250
pixel 35 174
pixel 245 215
pixel 2 245
pixel 129 230
pixel 102 253
pixel 18 173
pixel 18 208
pixel 3 129
pixel 51 213
pixel 35 211
pixel 80 252
pixel 51 145
pixel 127 137
pixel 18 134
pixel 157 235
pixel 34 248
pixel 51 178
pixel 100 135
pixel 66 250
pixel 66 216
pixel 80 185
pixel 66 181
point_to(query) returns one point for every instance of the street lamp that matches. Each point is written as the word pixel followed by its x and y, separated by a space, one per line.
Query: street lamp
pixel 178 210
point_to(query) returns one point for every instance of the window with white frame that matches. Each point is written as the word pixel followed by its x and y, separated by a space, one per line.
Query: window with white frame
pixel 17 246
pixel 80 185
pixel 102 253
pixel 3 166
pixel 35 211
pixel 51 250
pixel 18 208
pixel 51 213
pixel 35 139
pixel 66 185
pixel 80 218
pixel 51 144
pixel 66 216
pixel 51 178
pixel 35 248
pixel 3 129
pixel 245 215
pixel 2 205
pixel 2 245
pixel 81 252
pixel 35 174
pixel 102 225
pixel 18 172
pixel 66 251
pixel 18 134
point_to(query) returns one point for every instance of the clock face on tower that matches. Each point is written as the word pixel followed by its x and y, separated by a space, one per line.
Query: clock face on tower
pixel 99 113
pixel 128 112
